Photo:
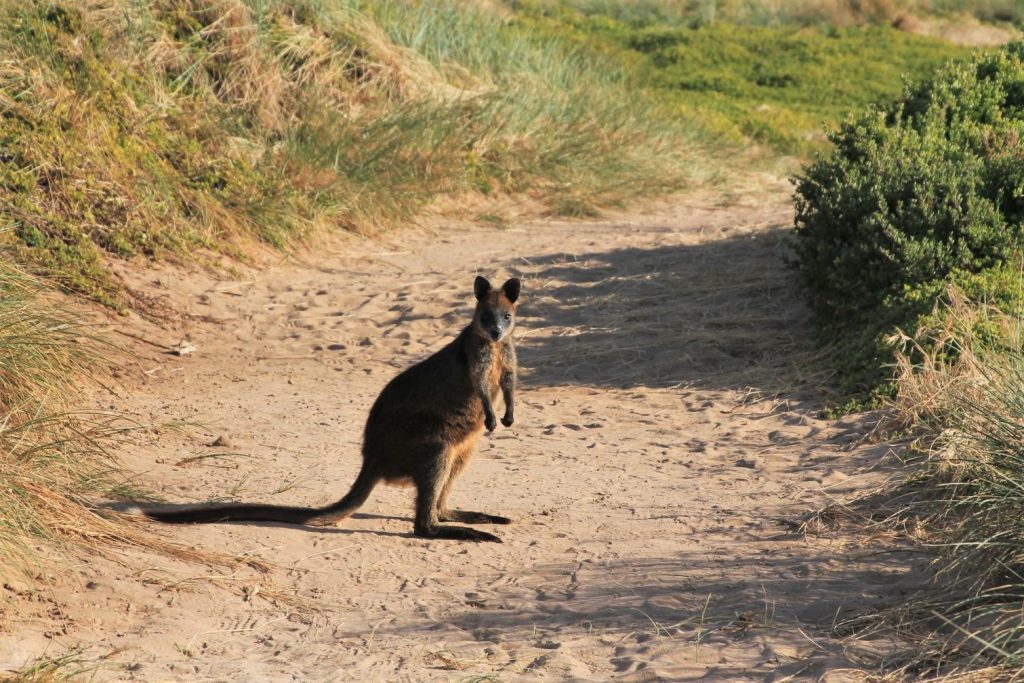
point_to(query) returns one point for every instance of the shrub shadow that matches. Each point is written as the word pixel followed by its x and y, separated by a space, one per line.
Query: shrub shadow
pixel 716 315
pixel 662 613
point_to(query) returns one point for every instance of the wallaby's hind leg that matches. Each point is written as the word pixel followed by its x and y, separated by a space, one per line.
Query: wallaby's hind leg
pixel 458 462
pixel 429 483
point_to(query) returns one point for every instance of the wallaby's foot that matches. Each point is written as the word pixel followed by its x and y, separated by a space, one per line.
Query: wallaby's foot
pixel 470 517
pixel 489 422
pixel 507 420
pixel 456 533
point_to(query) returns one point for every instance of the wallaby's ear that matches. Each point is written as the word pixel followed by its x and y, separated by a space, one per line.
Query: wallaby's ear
pixel 511 289
pixel 481 287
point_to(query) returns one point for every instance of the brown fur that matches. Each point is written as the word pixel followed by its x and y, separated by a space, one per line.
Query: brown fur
pixel 422 429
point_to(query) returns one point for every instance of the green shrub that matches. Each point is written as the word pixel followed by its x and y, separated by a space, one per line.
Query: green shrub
pixel 918 194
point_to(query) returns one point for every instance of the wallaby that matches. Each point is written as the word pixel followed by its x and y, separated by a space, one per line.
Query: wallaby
pixel 422 429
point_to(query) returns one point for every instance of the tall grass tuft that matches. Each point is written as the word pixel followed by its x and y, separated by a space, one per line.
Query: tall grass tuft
pixel 42 349
pixel 56 466
pixel 961 387
pixel 52 462
pixel 71 666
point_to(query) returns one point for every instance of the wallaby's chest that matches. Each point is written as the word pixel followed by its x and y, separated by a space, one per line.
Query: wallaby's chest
pixel 494 375
pixel 487 367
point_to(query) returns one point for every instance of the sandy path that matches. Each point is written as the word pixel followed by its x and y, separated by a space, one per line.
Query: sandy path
pixel 662 439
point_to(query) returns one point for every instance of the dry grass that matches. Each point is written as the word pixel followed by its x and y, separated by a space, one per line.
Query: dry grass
pixel 55 463
pixel 960 407
pixel 67 667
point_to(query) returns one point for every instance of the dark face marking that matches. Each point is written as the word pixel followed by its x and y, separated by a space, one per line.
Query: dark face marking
pixel 495 310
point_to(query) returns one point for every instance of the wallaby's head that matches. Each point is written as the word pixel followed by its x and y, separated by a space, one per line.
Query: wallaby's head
pixel 495 308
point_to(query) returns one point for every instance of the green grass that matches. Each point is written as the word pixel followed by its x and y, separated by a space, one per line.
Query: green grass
pixel 793 12
pixel 161 130
pixel 777 85
pixel 155 129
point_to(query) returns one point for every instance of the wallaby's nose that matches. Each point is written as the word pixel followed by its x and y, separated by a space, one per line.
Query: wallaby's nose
pixel 495 333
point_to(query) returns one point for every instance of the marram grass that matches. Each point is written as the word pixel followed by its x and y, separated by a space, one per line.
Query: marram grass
pixel 152 128
pixel 961 392
pixel 56 466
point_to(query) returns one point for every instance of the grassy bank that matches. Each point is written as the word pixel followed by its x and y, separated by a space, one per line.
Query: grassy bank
pixel 153 128
pixel 961 499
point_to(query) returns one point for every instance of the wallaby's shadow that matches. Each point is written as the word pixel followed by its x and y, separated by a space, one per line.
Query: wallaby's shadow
pixel 126 506
pixel 716 315
pixel 333 530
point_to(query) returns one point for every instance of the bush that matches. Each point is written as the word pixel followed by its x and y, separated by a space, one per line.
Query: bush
pixel 918 194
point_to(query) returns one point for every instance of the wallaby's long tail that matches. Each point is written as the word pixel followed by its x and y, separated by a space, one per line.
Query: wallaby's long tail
pixel 254 512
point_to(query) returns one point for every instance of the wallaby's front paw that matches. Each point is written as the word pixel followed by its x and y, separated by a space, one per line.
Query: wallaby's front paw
pixel 490 422
pixel 507 420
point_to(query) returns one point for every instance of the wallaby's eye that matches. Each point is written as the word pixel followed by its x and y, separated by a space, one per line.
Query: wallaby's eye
pixel 508 316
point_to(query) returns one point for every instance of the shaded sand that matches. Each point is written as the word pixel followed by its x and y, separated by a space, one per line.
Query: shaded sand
pixel 666 439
